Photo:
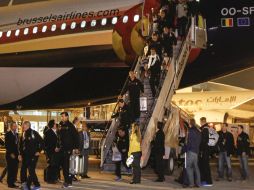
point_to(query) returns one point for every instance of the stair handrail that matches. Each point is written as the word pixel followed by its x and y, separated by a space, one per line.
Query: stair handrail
pixel 114 120
pixel 165 94
pixel 135 62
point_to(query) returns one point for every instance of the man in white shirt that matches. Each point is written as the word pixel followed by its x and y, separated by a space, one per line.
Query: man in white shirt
pixel 84 139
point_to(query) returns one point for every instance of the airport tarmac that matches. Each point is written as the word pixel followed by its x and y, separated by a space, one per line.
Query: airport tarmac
pixel 105 181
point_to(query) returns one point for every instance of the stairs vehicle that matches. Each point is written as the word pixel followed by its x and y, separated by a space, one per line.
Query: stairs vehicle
pixel 159 108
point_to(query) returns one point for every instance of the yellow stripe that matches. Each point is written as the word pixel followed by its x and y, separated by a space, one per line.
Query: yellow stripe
pixel 227 22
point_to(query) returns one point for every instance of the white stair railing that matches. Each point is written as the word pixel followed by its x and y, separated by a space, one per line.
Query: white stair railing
pixel 170 84
pixel 109 138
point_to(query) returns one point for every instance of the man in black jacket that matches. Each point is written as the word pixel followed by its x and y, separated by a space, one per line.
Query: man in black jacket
pixel 134 87
pixel 204 159
pixel 159 151
pixel 154 65
pixel 168 41
pixel 122 143
pixel 11 142
pixel 31 144
pixel 243 151
pixel 69 145
pixel 52 148
pixel 226 149
pixel 124 114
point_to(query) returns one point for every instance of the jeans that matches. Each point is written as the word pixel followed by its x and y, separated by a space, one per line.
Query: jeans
pixel 192 168
pixel 224 159
pixel 244 166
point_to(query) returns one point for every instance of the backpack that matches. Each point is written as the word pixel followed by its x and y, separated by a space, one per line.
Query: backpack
pixel 213 137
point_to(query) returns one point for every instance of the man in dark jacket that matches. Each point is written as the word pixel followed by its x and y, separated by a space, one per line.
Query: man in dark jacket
pixel 134 87
pixel 123 114
pixel 84 147
pixel 192 151
pixel 204 155
pixel 226 149
pixel 31 144
pixel 159 151
pixel 243 151
pixel 52 148
pixel 168 41
pixel 122 143
pixel 69 144
pixel 11 142
pixel 154 65
pixel 155 43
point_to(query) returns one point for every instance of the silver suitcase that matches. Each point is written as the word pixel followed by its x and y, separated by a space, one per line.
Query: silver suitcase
pixel 76 165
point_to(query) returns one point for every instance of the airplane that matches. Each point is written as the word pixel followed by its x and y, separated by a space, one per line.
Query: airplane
pixel 102 38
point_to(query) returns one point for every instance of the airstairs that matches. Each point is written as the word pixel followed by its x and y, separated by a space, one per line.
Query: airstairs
pixel 158 106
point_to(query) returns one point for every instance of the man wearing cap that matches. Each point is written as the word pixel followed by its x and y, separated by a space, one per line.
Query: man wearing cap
pixel 69 144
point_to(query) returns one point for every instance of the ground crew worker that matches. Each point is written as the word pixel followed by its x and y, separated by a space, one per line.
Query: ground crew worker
pixel 159 151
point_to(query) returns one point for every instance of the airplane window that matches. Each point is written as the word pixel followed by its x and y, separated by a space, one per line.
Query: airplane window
pixel 125 19
pixel 35 29
pixel 44 28
pixel 93 23
pixel 136 18
pixel 8 34
pixel 73 25
pixel 26 31
pixel 83 24
pixel 1 34
pixel 114 20
pixel 53 28
pixel 63 27
pixel 103 21
pixel 17 32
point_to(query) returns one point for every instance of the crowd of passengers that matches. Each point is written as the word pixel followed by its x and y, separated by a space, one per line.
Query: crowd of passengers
pixel 59 143
pixel 157 57
pixel 199 145
pixel 63 139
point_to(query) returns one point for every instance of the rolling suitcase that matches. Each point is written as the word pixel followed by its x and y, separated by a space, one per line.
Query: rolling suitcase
pixel 76 165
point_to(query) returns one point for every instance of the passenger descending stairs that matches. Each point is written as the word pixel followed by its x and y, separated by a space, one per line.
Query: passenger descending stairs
pixel 162 104
pixel 156 106
pixel 107 164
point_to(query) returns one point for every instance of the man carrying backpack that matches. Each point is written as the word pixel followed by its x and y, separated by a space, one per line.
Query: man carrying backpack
pixel 204 155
